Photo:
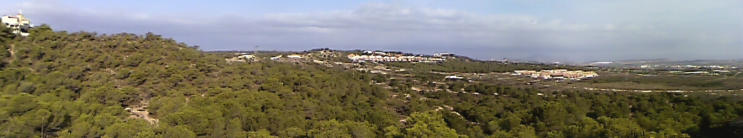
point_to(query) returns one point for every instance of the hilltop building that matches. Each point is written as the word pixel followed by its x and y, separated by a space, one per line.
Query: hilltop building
pixel 19 24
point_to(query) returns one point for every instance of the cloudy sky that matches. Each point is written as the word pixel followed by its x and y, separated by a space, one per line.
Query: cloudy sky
pixel 545 30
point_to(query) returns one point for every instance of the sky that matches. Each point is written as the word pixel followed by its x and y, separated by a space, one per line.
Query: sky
pixel 541 30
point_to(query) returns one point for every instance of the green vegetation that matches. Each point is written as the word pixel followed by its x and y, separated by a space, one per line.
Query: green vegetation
pixel 666 81
pixel 59 84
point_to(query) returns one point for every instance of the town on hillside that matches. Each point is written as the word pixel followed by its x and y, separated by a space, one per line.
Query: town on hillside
pixel 380 56
pixel 409 67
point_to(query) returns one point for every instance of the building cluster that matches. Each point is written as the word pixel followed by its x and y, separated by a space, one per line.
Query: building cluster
pixel 18 24
pixel 289 56
pixel 376 56
pixel 701 72
pixel 557 74
pixel 242 57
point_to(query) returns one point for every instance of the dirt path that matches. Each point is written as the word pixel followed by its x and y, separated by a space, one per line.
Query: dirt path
pixel 140 111
pixel 11 50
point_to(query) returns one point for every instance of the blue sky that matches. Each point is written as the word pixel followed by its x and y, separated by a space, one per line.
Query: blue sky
pixel 546 30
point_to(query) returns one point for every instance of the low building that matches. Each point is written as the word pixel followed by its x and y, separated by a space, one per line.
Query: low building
pixel 276 57
pixel 453 78
pixel 246 57
pixel 525 72
pixel 294 56
pixel 241 58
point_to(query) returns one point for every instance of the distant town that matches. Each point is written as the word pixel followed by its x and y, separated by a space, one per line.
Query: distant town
pixel 556 76
pixel 559 74
pixel 693 67
pixel 380 56
pixel 355 57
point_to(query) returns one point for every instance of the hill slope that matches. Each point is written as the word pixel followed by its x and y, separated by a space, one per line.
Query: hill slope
pixel 82 84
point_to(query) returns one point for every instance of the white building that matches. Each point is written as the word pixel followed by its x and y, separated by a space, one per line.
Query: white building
pixel 19 24
pixel 557 74
pixel 276 57
pixel 246 57
pixel 295 56
pixel 453 78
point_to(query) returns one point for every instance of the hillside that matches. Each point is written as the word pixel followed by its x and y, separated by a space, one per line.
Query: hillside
pixel 60 84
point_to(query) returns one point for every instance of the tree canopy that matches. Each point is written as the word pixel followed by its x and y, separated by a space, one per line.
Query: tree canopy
pixel 60 84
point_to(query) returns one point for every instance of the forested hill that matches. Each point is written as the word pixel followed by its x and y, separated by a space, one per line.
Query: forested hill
pixel 79 84
pixel 59 84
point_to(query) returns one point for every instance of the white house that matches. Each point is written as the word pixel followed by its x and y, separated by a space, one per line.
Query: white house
pixel 246 57
pixel 276 57
pixel 294 56
pixel 453 78
pixel 19 24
